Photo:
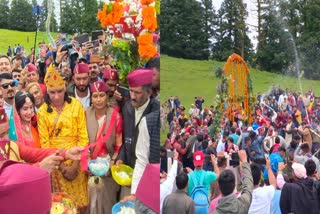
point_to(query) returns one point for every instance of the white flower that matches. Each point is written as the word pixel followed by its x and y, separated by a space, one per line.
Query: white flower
pixel 107 2
pixel 129 21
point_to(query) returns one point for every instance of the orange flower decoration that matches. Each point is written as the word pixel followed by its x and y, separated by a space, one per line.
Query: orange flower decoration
pixel 149 18
pixel 110 14
pixel 146 1
pixel 146 49
pixel 145 39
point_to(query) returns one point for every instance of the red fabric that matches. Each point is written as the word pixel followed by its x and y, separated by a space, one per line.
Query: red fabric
pixel 110 74
pixel 43 89
pixel 31 67
pixel 33 155
pixel 81 68
pixel 24 189
pixel 98 144
pixel 140 77
pixel 150 181
pixel 98 86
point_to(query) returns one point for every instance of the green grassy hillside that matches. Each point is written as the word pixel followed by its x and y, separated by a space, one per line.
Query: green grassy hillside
pixel 189 78
pixel 12 37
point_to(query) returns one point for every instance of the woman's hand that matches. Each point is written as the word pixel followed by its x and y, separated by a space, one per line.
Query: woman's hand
pixel 74 153
pixel 51 163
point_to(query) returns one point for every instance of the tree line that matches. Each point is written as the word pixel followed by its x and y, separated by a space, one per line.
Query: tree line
pixel 287 33
pixel 76 16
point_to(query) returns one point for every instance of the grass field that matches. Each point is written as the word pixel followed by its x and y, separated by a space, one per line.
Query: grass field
pixel 189 78
pixel 12 37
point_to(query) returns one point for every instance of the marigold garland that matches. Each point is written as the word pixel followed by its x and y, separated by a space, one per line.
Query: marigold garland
pixel 149 18
pixel 146 1
pixel 146 48
pixel 110 14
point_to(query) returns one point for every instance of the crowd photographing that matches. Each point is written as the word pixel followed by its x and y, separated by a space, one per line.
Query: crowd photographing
pixel 267 166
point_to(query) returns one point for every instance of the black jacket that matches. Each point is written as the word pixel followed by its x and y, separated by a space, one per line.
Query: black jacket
pixel 299 197
pixel 130 131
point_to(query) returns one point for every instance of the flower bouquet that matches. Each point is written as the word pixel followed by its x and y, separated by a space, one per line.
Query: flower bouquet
pixel 130 27
pixel 61 203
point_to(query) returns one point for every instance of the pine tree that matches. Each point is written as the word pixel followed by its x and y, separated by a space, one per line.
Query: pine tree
pixel 309 44
pixel 183 32
pixel 89 20
pixel 231 31
pixel 21 17
pixel 275 51
pixel 4 15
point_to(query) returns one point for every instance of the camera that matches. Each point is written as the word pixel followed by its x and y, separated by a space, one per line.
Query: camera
pixel 72 53
pixel 235 160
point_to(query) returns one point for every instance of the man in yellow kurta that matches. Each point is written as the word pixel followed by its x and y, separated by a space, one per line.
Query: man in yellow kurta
pixel 62 124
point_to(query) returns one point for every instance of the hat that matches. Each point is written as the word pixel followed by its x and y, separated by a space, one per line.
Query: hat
pixel 110 74
pixel 299 170
pixel 3 116
pixel 81 68
pixel 140 77
pixel 250 129
pixel 198 158
pixel 53 79
pixel 98 86
pixel 95 59
pixel 19 182
pixel 150 181
pixel 31 67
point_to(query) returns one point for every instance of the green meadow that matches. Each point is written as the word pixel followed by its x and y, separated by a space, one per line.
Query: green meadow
pixel 12 37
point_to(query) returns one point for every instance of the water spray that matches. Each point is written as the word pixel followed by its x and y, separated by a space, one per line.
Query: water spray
pixel 48 23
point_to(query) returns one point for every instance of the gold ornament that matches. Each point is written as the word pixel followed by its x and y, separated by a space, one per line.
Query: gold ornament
pixel 53 80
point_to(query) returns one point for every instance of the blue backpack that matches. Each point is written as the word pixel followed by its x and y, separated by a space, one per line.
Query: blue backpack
pixel 199 195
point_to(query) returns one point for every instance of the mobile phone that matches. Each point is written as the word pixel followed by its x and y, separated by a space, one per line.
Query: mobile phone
pixel 123 91
pixel 82 38
pixel 95 43
pixel 170 154
pixel 95 34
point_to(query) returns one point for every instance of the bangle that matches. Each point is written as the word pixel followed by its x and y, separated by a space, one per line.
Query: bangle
pixel 63 155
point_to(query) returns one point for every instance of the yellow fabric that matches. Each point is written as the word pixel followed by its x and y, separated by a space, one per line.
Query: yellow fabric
pixel 71 130
pixel 53 79
pixel 14 152
pixel 298 116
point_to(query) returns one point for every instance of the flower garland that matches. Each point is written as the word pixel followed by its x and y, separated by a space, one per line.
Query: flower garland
pixel 110 13
pixel 147 47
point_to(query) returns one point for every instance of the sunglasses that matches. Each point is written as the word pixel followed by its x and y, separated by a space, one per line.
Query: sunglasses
pixel 6 85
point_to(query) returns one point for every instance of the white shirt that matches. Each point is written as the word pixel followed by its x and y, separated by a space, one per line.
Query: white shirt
pixel 220 146
pixel 8 108
pixel 84 100
pixel 166 187
pixel 261 200
pixel 139 111
pixel 142 154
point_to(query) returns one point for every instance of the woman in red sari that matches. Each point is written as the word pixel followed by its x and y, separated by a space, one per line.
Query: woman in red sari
pixel 23 121
pixel 104 126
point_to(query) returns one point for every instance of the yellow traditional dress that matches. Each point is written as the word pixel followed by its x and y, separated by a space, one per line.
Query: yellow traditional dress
pixel 65 130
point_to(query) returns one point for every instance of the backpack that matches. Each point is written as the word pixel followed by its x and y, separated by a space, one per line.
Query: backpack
pixel 199 195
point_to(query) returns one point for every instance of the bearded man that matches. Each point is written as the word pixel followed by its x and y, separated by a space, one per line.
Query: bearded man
pixel 79 88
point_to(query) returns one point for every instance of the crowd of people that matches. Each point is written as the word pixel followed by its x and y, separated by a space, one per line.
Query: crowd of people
pixel 59 110
pixel 268 165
